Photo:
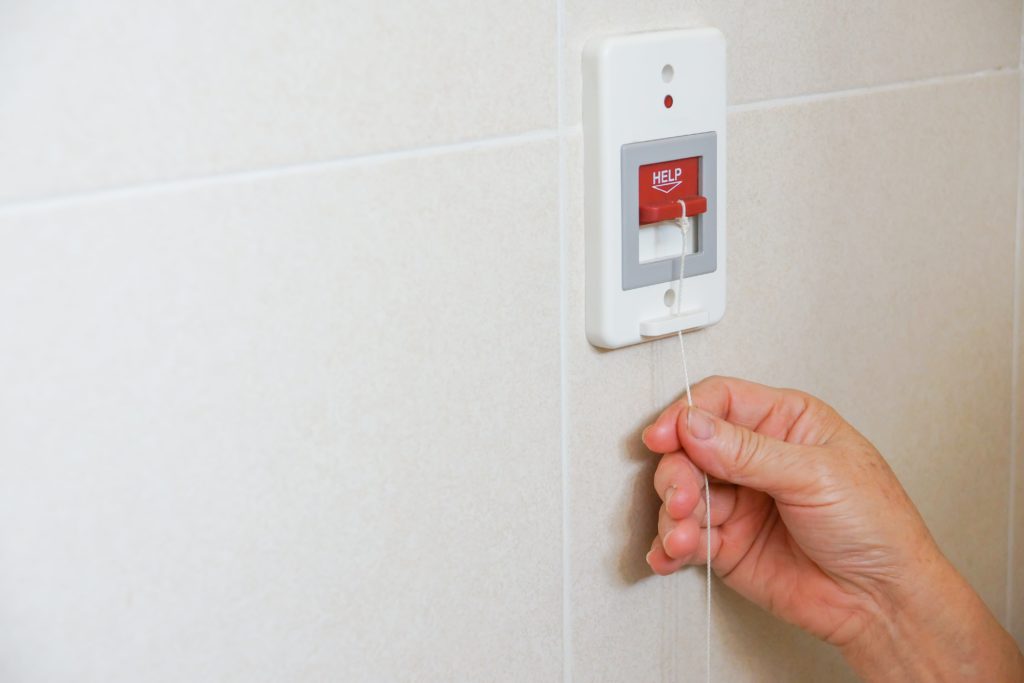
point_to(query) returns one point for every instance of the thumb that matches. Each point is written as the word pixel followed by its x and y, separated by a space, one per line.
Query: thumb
pixel 741 456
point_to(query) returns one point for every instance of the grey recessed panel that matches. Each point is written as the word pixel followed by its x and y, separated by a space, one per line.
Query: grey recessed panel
pixel 637 154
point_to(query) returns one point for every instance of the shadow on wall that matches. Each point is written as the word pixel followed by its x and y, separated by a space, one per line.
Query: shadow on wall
pixel 758 647
pixel 639 511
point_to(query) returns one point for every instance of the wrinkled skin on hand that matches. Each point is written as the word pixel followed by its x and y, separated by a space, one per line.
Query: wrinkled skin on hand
pixel 807 520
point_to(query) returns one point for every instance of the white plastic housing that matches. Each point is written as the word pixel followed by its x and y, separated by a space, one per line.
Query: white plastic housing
pixel 624 102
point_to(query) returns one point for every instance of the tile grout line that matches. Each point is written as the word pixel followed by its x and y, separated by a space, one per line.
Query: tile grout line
pixel 189 182
pixel 563 340
pixel 869 89
pixel 537 135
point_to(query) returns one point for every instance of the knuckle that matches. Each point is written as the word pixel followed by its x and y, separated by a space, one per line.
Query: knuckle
pixel 822 412
pixel 714 382
pixel 813 420
pixel 666 466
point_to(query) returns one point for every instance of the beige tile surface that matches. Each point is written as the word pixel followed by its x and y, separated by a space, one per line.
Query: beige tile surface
pixel 870 262
pixel 1016 605
pixel 782 48
pixel 99 95
pixel 272 431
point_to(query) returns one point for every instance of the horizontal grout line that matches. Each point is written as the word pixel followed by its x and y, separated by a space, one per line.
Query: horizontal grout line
pixel 779 102
pixel 142 188
pixel 868 90
pixel 124 191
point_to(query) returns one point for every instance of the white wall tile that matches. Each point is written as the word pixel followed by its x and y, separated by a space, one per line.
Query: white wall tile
pixel 304 425
pixel 871 241
pixel 1016 604
pixel 782 48
pixel 298 428
pixel 96 95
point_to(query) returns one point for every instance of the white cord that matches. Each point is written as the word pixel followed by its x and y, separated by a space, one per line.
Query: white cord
pixel 684 226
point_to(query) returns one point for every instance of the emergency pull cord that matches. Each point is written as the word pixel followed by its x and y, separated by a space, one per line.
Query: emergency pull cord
pixel 678 320
pixel 684 227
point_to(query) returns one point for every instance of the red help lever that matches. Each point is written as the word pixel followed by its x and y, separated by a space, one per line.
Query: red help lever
pixel 662 185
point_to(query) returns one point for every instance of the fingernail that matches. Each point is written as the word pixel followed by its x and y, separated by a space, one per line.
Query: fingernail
pixel 648 557
pixel 668 496
pixel 643 434
pixel 700 424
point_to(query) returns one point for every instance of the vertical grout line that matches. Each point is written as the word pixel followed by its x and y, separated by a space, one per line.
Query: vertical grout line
pixel 1015 345
pixel 563 342
pixel 858 91
pixel 190 182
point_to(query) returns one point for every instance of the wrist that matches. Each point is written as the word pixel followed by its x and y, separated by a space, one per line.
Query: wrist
pixel 933 628
pixel 895 641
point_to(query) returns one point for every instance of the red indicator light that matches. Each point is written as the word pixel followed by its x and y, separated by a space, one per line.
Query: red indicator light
pixel 668 101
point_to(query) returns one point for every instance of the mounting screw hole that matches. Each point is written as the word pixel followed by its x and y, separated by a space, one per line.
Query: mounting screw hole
pixel 670 297
pixel 667 72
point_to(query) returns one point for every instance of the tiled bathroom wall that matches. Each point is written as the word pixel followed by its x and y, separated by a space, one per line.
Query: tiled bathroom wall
pixel 293 378
pixel 1015 592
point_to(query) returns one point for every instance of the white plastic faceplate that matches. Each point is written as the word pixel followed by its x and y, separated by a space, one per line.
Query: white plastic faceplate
pixel 624 93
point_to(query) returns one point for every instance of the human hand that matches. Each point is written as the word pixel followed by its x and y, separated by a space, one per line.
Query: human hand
pixel 809 522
